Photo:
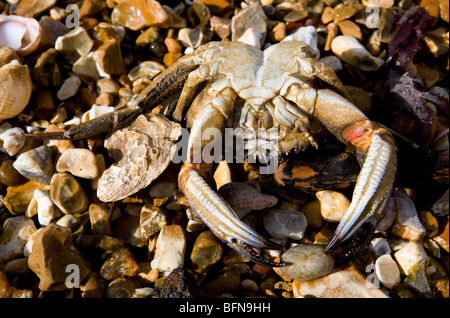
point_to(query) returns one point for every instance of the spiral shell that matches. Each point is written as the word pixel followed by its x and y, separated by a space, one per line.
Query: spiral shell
pixel 15 89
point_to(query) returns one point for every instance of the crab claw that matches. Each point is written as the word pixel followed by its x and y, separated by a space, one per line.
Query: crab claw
pixel 221 219
pixel 376 152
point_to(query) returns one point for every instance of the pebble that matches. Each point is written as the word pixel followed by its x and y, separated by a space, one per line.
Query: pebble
pixel 285 224
pixel 67 193
pixel 221 26
pixel 46 70
pixel 387 271
pixel 409 255
pixel 86 66
pixel 333 205
pixel 46 210
pixel 430 222
pixel 350 28
pixel 127 229
pixel 80 162
pixel 344 12
pixel 179 284
pixel 8 291
pixel 349 50
pixel 344 282
pixel 193 38
pixel 442 237
pixel 51 253
pixel 222 174
pixel 74 44
pixel 18 266
pixel 36 164
pixel 31 8
pixel 16 232
pixel 170 249
pixel 251 37
pixel 306 262
pixel 109 58
pixel 68 221
pixel 415 285
pixel 379 246
pixel 228 282
pixel 206 252
pixel 328 15
pixel 333 31
pixel 311 210
pixel 91 8
pixel 98 213
pixel 162 189
pixel 9 176
pixel 407 225
pixel 44 104
pixel 122 287
pixel 378 3
pixel 332 62
pixel 121 263
pixel 152 220
pixel 92 286
pixel 251 17
pixel 12 141
pixel 307 34
pixel 277 33
pixel 18 198
pixel 69 88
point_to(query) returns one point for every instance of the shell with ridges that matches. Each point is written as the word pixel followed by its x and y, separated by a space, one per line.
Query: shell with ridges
pixel 15 89
pixel 20 33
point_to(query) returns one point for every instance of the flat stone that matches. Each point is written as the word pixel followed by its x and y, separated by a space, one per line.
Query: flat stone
pixel 170 249
pixel 36 164
pixel 345 12
pixel 251 37
pixel 379 246
pixel 311 210
pixel 328 15
pixel 122 263
pixel 122 287
pixel 333 62
pixel 251 17
pixel 93 286
pixel 46 71
pixel 127 229
pixel 152 220
pixel 350 28
pixel 91 8
pixel 32 8
pixel 80 162
pixel 98 213
pixel 193 38
pixel 16 232
pixel 86 66
pixel 333 205
pixel 409 255
pixel 68 194
pixel 109 57
pixel 221 26
pixel 387 271
pixel 52 252
pixel 306 262
pixel 9 176
pixel 430 222
pixel 285 224
pixel 344 282
pixel 206 252
pixel 68 220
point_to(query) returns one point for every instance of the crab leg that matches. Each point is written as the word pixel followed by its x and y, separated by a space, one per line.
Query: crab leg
pixel 375 149
pixel 209 206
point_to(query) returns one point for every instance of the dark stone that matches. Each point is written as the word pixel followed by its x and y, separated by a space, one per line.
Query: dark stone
pixel 179 284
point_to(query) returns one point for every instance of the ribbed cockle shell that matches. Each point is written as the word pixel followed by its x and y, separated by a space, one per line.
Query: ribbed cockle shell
pixel 15 89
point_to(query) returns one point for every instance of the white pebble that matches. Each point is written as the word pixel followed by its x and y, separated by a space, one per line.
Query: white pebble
pixel 307 34
pixel 332 62
pixel 16 232
pixel 79 162
pixel 409 255
pixel 379 246
pixel 12 140
pixel 46 210
pixel 285 224
pixel 170 248
pixel 387 271
pixel 68 220
pixel 29 245
pixel 69 88
pixel 251 37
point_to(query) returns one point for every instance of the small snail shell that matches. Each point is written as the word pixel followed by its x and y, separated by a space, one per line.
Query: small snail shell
pixel 15 89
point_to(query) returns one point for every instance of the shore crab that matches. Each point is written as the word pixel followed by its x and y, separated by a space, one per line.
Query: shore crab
pixel 279 91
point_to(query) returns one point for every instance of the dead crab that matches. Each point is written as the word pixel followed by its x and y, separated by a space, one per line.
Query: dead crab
pixel 277 86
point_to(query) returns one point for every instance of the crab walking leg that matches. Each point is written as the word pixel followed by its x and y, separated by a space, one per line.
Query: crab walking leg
pixel 375 150
pixel 209 206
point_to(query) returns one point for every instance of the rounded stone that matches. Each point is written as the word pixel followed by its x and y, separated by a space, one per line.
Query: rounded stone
pixel 306 262
pixel 68 194
pixel 9 176
pixel 79 162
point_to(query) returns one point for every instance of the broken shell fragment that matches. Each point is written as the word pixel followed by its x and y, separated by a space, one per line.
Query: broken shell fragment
pixel 351 51
pixel 21 34
pixel 15 89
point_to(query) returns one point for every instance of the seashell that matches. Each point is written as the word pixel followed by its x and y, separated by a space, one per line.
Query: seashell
pixel 15 89
pixel 244 198
pixel 142 151
pixel 21 34
pixel 351 51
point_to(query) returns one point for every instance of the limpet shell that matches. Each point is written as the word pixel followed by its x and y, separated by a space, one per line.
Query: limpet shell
pixel 20 33
pixel 15 89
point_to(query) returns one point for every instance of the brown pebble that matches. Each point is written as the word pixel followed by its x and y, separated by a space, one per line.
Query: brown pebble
pixel 121 288
pixel 121 263
pixel 332 33
pixel 173 46
pixel 170 58
pixel 350 28
pixel 9 176
pixel 328 15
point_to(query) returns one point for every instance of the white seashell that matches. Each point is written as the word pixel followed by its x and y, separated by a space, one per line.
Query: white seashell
pixel 351 51
pixel 20 33
pixel 15 89
pixel 13 140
